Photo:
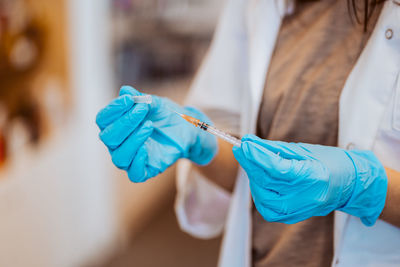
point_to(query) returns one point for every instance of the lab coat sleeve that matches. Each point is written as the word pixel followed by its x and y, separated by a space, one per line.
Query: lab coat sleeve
pixel 201 206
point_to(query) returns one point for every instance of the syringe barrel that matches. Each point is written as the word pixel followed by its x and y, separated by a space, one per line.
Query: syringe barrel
pixel 225 136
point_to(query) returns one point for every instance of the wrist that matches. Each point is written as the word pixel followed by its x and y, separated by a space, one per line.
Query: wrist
pixel 370 186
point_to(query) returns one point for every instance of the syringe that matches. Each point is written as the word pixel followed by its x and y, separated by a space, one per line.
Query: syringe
pixel 208 128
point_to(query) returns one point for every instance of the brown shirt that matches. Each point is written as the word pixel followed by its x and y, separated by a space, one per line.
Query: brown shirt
pixel 316 50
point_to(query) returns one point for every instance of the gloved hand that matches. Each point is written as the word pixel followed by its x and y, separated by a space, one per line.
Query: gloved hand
pixel 291 182
pixel 144 139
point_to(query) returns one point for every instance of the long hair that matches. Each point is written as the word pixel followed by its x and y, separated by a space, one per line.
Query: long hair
pixel 361 11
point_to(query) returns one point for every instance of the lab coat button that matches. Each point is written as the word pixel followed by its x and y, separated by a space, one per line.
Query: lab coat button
pixel 337 262
pixel 389 34
pixel 350 146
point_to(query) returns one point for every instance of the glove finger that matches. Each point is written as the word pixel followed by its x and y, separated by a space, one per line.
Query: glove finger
pixel 281 208
pixel 267 213
pixel 277 185
pixel 140 171
pixel 256 174
pixel 292 218
pixel 272 215
pixel 284 149
pixel 123 156
pixel 164 153
pixel 262 194
pixel 268 198
pixel 113 111
pixel 155 106
pixel 291 208
pixel 116 133
pixel 243 161
pixel 289 170
pixel 129 90
pixel 261 157
pixel 260 177
pixel 137 171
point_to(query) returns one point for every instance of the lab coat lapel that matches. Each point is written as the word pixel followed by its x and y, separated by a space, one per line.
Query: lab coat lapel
pixel 366 94
pixel 263 21
pixel 370 85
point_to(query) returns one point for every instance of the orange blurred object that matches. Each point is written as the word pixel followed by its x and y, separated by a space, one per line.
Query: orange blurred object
pixel 3 149
pixel 190 119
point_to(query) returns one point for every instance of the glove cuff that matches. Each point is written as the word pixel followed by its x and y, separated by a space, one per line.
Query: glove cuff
pixel 205 146
pixel 368 198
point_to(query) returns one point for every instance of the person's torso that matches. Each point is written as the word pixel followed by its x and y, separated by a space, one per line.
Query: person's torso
pixel 316 50
pixel 367 116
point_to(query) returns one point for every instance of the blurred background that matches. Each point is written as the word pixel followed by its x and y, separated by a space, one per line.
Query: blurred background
pixel 62 202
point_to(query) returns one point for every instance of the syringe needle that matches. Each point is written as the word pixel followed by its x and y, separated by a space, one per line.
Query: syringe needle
pixel 174 111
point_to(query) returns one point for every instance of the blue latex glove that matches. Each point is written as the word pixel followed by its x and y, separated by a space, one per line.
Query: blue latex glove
pixel 291 182
pixel 144 139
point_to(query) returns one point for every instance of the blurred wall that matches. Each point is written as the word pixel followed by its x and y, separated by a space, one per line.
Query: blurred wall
pixel 57 202
pixel 63 203
pixel 156 47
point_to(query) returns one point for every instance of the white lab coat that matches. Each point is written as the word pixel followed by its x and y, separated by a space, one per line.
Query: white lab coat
pixel 231 80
